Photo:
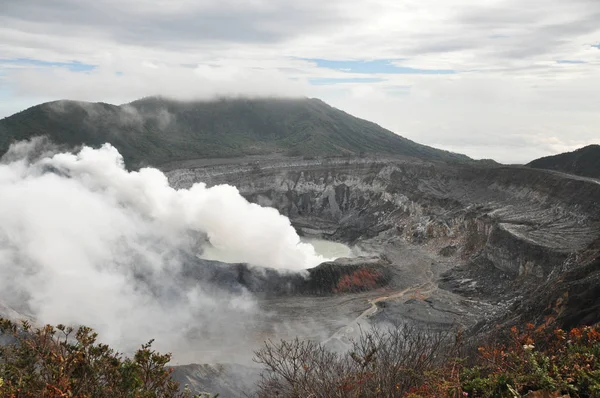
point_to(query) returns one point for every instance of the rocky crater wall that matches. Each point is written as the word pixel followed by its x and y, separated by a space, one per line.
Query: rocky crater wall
pixel 524 222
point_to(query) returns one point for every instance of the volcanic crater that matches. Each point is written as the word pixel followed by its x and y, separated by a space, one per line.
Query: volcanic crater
pixel 442 245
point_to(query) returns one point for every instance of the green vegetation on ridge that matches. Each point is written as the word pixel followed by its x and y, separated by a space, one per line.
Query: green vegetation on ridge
pixel 584 162
pixel 154 130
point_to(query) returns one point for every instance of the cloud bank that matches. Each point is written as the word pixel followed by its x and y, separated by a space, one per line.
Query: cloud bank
pixel 521 76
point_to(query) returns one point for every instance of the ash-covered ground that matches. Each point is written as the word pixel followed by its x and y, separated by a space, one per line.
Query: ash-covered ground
pixel 439 246
pixel 433 245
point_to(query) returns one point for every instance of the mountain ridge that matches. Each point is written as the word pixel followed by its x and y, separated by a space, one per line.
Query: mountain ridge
pixel 157 130
pixel 583 162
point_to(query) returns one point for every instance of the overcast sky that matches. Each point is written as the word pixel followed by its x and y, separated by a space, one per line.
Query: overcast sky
pixel 505 79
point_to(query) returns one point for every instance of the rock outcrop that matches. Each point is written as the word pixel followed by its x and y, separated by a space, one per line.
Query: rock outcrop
pixel 506 230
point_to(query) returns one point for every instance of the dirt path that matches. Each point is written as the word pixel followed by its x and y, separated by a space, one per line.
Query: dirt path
pixel 345 334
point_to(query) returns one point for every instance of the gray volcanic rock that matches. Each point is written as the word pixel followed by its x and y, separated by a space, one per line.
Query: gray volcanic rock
pixel 569 297
pixel 321 280
pixel 14 314
pixel 451 246
pixel 488 234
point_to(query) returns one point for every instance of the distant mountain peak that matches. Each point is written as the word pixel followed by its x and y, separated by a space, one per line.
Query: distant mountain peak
pixel 155 130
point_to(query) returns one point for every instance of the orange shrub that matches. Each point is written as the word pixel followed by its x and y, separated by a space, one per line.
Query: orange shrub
pixel 359 280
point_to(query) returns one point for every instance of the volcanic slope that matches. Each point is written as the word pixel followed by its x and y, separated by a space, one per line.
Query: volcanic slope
pixel 584 162
pixel 443 243
pixel 155 130
pixel 460 245
pixel 469 241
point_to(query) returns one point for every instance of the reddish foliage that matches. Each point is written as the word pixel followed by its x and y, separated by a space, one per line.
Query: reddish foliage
pixel 362 279
pixel 61 362
pixel 535 360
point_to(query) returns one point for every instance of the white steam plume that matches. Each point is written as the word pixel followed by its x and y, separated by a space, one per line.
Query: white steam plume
pixel 84 241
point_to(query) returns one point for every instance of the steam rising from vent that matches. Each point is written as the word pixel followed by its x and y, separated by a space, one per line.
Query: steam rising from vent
pixel 245 231
pixel 82 240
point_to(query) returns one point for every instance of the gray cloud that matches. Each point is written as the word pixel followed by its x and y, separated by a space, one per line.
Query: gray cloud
pixel 512 30
pixel 158 24
pixel 505 51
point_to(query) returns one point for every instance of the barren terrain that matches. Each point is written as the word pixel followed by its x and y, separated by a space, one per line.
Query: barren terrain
pixel 464 246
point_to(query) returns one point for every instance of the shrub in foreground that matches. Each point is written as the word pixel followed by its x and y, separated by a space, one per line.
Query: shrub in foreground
pixel 534 361
pixel 61 362
pixel 405 362
pixel 539 360
pixel 381 363
pixel 398 362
